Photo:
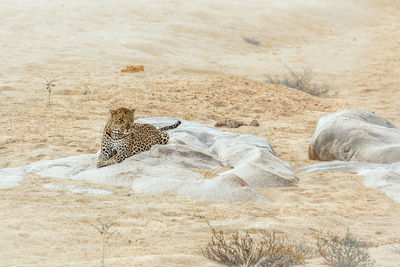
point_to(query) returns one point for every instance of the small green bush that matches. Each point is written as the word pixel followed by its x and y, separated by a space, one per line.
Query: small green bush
pixel 50 84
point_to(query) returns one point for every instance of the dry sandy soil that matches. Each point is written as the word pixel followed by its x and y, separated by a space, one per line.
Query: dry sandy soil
pixel 199 68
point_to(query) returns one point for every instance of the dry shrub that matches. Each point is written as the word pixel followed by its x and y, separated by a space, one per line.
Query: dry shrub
pixel 343 251
pixel 251 40
pixel 301 81
pixel 267 249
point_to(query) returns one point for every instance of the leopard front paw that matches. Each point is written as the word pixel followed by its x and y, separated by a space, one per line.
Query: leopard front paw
pixel 100 164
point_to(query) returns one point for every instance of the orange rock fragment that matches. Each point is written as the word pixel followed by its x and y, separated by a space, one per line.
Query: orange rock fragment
pixel 132 68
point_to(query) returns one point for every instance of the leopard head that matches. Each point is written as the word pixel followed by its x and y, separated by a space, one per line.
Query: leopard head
pixel 120 123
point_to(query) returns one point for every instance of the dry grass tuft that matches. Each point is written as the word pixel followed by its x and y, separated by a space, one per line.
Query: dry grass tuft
pixel 106 233
pixel 86 88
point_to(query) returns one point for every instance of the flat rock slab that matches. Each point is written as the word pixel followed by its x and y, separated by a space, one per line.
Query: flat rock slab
pixel 171 168
pixel 355 135
pixel 384 177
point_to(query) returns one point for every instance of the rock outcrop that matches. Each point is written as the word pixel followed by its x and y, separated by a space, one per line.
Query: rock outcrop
pixel 174 168
pixel 355 135
pixel 362 142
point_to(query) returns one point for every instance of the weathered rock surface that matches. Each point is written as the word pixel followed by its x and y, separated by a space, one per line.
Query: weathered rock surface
pixel 384 177
pixel 169 168
pixel 363 143
pixel 355 135
pixel 10 177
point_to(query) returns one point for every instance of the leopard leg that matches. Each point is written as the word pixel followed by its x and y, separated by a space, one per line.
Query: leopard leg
pixel 164 138
pixel 100 162
pixel 117 158
pixel 105 154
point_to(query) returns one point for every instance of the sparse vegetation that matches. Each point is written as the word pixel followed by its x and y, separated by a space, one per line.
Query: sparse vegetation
pixel 50 84
pixel 86 88
pixel 268 249
pixel 396 240
pixel 301 81
pixel 104 231
pixel 343 251
pixel 251 41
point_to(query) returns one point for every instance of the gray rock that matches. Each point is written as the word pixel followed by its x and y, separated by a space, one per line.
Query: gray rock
pixel 254 123
pixel 167 168
pixel 355 135
pixel 371 144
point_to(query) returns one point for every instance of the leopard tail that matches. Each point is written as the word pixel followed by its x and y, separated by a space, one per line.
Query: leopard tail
pixel 170 127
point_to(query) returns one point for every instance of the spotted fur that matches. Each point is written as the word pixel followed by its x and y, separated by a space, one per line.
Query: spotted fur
pixel 123 138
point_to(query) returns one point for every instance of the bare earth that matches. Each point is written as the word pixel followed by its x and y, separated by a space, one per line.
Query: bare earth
pixel 197 67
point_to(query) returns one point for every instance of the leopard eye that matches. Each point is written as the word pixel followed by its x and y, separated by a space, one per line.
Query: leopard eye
pixel 121 120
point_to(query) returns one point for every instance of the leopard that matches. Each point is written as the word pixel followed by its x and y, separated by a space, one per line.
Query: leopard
pixel 123 138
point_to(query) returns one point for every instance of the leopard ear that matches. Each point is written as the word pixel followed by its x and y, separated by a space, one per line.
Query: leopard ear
pixel 112 111
pixel 132 111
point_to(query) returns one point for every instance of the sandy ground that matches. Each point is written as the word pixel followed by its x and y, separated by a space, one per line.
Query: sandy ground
pixel 197 67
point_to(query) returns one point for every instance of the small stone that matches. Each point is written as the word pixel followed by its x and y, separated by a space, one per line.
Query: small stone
pixel 132 68
pixel 229 123
pixel 219 124
pixel 234 123
pixel 254 123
